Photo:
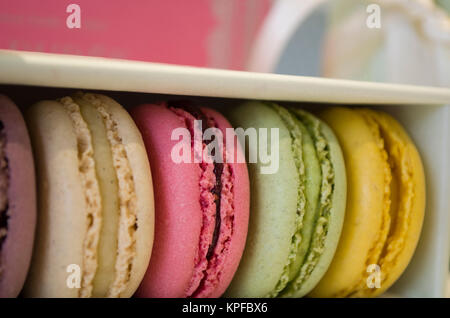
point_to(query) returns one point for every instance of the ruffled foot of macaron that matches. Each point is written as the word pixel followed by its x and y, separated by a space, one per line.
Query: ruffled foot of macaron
pixel 202 201
pixel 297 210
pixel 95 213
pixel 385 204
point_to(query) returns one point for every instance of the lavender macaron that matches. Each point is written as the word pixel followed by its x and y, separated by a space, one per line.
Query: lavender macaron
pixel 17 199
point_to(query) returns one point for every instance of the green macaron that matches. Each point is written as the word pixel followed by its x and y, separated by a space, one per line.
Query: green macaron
pixel 297 210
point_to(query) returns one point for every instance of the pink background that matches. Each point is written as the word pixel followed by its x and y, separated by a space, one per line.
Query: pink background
pixel 214 33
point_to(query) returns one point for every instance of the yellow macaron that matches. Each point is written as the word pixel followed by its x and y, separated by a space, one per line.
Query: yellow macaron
pixel 385 203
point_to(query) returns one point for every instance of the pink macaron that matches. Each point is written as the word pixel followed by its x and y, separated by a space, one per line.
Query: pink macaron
pixel 202 202
pixel 17 199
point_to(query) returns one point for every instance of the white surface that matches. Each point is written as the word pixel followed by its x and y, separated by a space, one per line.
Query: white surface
pixel 428 125
pixel 71 71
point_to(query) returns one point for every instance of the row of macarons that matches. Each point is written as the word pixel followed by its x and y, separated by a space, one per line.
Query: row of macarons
pixel 93 203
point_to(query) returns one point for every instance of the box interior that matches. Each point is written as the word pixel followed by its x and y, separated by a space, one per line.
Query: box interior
pixel 427 274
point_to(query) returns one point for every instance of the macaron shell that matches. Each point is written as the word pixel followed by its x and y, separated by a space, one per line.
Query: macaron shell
pixel 366 177
pixel 17 248
pixel 403 241
pixel 272 208
pixel 143 186
pixel 178 221
pixel 61 202
pixel 241 203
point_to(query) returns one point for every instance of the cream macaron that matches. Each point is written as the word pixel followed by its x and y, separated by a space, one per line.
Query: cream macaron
pixel 95 199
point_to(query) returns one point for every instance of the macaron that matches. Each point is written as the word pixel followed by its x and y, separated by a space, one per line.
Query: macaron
pixel 201 200
pixel 385 203
pixel 95 199
pixel 17 199
pixel 297 210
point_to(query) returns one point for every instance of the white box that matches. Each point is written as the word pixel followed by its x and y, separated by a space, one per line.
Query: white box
pixel 424 112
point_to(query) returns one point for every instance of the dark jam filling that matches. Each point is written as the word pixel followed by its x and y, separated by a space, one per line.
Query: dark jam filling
pixel 218 168
pixel 3 171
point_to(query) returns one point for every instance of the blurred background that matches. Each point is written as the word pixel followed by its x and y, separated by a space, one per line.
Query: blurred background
pixel 396 41
pixel 211 33
pixel 400 41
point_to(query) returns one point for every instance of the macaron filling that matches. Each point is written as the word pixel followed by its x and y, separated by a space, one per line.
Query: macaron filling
pixel 126 249
pixel 216 201
pixel 91 192
pixel 399 194
pixel 297 150
pixel 308 241
pixel 4 184
pixel 374 253
pixel 317 242
pixel 216 262
pixel 127 222
pixel 106 176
